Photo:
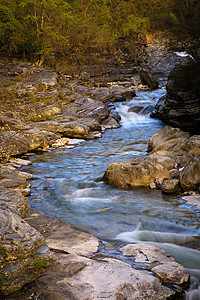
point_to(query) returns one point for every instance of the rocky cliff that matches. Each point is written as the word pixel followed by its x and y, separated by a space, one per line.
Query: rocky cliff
pixel 180 107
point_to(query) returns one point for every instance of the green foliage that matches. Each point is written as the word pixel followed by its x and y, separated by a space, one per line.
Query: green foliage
pixel 3 250
pixel 3 277
pixel 10 29
pixel 40 263
pixel 36 29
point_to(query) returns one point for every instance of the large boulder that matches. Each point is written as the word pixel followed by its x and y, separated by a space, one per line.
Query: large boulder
pixel 190 176
pixel 169 139
pixel 24 255
pixel 136 173
pixel 180 107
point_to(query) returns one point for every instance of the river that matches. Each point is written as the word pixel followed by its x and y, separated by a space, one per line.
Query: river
pixel 68 185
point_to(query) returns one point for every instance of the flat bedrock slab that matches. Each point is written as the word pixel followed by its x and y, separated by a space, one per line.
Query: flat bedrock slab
pixel 75 277
pixel 160 262
pixel 61 236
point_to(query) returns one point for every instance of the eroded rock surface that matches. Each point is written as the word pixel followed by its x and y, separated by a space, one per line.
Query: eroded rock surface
pixel 40 106
pixel 83 278
pixel 63 237
pixel 160 262
pixel 24 255
pixel 172 163
pixel 13 200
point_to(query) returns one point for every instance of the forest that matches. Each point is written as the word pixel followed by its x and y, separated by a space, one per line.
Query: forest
pixel 39 28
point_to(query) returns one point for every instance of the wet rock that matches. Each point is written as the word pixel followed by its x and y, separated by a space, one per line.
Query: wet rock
pixel 24 255
pixel 136 109
pixel 13 200
pixel 149 79
pixel 141 109
pixel 190 175
pixel 83 278
pixel 63 237
pixel 160 262
pixel 170 186
pixel 193 200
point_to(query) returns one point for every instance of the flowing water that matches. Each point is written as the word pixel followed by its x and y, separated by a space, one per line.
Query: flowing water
pixel 68 185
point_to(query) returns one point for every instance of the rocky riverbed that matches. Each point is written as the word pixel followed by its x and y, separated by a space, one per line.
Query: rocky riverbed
pixel 41 109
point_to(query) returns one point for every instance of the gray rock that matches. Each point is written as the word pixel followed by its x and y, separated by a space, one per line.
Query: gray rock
pixel 62 236
pixel 160 262
pixel 74 277
pixel 194 200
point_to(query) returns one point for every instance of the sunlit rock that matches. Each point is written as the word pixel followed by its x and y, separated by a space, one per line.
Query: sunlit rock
pixel 190 175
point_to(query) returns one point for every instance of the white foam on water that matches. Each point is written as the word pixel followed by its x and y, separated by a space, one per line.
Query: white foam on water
pixel 183 54
pixel 188 257
pixel 129 118
pixel 89 199
pixel 154 236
